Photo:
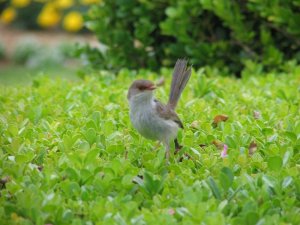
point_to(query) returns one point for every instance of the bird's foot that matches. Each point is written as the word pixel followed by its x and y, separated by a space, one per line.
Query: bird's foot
pixel 178 147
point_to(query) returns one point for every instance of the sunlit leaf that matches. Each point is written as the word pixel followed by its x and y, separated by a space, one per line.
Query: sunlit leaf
pixel 275 163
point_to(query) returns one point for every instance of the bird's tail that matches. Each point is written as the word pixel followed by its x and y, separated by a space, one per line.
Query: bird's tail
pixel 181 76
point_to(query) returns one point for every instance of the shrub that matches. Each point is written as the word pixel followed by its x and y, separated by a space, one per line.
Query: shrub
pixel 2 51
pixel 46 14
pixel 29 54
pixel 226 34
pixel 69 154
pixel 24 51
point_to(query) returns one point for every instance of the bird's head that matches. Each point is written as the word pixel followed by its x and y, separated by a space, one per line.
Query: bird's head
pixel 141 88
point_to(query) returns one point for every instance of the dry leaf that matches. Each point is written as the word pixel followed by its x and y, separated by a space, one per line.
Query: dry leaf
pixel 3 181
pixel 195 124
pixel 203 145
pixel 218 144
pixel 184 156
pixel 252 148
pixel 256 114
pixel 218 119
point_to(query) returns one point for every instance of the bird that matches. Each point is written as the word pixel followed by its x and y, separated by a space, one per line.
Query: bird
pixel 153 119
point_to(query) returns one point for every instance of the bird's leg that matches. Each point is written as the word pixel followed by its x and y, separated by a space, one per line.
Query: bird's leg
pixel 167 153
pixel 178 147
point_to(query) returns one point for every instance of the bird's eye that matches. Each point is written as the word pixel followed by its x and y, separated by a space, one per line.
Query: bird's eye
pixel 141 88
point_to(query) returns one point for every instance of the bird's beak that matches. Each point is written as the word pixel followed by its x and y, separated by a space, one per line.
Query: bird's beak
pixel 151 88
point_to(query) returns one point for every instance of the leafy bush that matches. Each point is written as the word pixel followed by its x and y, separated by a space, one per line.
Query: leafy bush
pixel 47 14
pixel 69 154
pixel 25 50
pixel 226 34
pixel 2 51
pixel 30 54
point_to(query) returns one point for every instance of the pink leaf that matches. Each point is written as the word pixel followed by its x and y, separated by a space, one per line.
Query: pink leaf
pixel 171 211
pixel 224 151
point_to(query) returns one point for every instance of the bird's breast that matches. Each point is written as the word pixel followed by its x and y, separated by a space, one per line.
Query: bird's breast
pixel 147 122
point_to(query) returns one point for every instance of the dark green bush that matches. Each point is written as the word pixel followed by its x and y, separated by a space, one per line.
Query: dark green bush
pixel 2 51
pixel 222 33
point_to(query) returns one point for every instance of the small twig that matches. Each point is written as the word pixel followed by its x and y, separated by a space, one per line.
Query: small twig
pixel 247 49
pixel 285 33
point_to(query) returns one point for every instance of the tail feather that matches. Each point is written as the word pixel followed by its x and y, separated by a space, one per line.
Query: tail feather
pixel 181 76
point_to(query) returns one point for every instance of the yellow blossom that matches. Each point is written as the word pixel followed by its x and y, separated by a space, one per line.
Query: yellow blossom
pixel 64 4
pixel 88 2
pixel 73 22
pixel 20 3
pixel 8 15
pixel 49 16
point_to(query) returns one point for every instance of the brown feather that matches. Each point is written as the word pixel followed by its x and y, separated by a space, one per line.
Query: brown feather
pixel 181 76
pixel 164 111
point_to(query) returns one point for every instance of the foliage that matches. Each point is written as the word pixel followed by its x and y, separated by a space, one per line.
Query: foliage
pixel 19 75
pixel 226 34
pixel 30 54
pixel 2 51
pixel 24 51
pixel 69 154
pixel 47 14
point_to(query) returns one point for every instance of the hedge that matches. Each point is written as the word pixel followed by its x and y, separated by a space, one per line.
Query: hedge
pixel 221 33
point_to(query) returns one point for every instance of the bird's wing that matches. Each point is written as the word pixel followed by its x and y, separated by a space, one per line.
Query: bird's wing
pixel 167 113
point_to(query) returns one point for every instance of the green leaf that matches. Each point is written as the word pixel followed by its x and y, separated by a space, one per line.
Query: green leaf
pixel 151 185
pixel 251 218
pixel 90 135
pixel 275 163
pixel 267 131
pixel 286 182
pixel 286 158
pixel 91 156
pixel 127 180
pixel 71 188
pixel 69 141
pixel 292 136
pixel 230 142
pixel 269 181
pixel 72 174
pixel 222 205
pixel 214 187
pixel 226 178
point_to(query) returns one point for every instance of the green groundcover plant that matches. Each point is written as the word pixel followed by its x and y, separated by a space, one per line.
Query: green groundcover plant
pixel 69 155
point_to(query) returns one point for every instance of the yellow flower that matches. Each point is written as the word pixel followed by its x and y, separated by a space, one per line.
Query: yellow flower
pixel 73 22
pixel 8 15
pixel 49 16
pixel 88 2
pixel 64 4
pixel 20 3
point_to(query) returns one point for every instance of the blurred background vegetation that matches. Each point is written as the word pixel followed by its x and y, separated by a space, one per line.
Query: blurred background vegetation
pixel 39 36
pixel 235 37
pixel 45 14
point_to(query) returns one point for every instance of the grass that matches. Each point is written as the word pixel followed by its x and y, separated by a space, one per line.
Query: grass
pixel 17 74
pixel 69 154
